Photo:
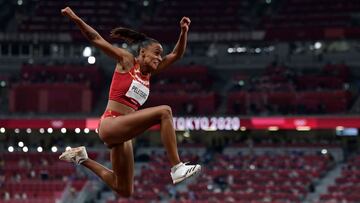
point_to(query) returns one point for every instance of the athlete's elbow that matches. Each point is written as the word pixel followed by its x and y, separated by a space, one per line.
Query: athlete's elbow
pixel 178 56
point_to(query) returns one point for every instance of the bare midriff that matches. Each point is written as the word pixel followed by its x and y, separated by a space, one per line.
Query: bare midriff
pixel 119 107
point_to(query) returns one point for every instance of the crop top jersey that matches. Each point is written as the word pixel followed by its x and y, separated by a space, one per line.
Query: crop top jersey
pixel 131 88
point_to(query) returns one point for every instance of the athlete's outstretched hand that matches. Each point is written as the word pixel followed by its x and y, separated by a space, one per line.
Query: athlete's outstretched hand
pixel 68 12
pixel 185 23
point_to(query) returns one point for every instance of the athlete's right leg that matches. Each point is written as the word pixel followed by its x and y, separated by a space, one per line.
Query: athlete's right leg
pixel 120 179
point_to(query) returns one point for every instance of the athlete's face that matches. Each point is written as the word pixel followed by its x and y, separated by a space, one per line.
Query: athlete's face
pixel 152 55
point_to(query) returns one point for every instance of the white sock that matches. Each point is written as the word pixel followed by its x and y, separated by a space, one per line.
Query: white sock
pixel 173 169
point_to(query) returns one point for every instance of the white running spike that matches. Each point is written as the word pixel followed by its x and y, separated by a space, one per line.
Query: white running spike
pixel 184 171
pixel 74 155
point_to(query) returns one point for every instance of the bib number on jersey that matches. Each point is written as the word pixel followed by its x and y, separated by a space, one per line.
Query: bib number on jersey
pixel 138 91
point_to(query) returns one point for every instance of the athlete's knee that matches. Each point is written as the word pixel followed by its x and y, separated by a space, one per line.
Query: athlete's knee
pixel 165 112
pixel 122 188
pixel 124 192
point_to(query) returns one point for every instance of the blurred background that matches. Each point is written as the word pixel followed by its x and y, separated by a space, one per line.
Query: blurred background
pixel 266 99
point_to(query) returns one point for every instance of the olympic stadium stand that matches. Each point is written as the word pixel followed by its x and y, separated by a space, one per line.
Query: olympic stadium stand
pixel 48 89
pixel 47 18
pixel 37 177
pixel 283 90
pixel 284 20
pixel 236 175
pixel 187 89
pixel 207 16
pixel 155 16
pixel 312 14
pixel 4 84
pixel 311 20
pixel 346 187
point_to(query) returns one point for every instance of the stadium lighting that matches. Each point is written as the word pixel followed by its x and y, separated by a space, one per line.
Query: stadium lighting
pixel 20 144
pixel 241 49
pixel 50 130
pixel 91 59
pixel 39 149
pixel 54 48
pixel 87 52
pixel 258 50
pixel 41 130
pixel 20 2
pixel 317 45
pixel 67 148
pixel 303 128
pixel 77 130
pixel 63 130
pixel 268 1
pixel 17 130
pixel 11 149
pixel 324 151
pixel 252 167
pixel 25 149
pixel 145 3
pixel 54 149
pixel 28 130
pixel 273 128
pixel 230 50
pixel 86 130
pixel 2 130
pixel 339 128
pixel 3 84
pixel 270 49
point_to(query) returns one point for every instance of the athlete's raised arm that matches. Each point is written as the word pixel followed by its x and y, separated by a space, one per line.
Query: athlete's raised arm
pixel 179 48
pixel 122 55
